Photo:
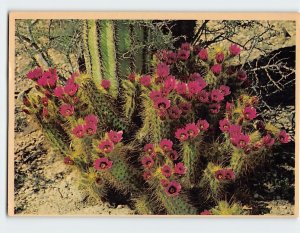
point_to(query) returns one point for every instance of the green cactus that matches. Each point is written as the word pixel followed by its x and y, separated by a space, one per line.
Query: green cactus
pixel 190 153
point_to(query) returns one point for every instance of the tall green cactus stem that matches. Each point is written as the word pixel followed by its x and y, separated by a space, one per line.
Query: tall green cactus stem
pixel 143 205
pixel 138 35
pixel 123 46
pixel 94 52
pixel 177 205
pixel 129 93
pixel 85 47
pixel 190 154
pixel 105 108
pixel 108 54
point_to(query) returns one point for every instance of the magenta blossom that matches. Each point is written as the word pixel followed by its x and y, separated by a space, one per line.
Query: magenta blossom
pixel 234 50
pixel 203 96
pixel 166 171
pixel 173 188
pixel 185 46
pixel 181 88
pixel 219 57
pixel 131 77
pixel 192 130
pixel 44 101
pixel 214 108
pixel 79 131
pixel 225 90
pixel 66 110
pixel 205 212
pixel 224 125
pixel 181 134
pixel 195 76
pixel 71 89
pixel 147 175
pixel 164 182
pixel 105 84
pixel 229 106
pixel 149 148
pixel 240 140
pixel 91 119
pixel 169 84
pixel 59 92
pixel 173 155
pixel 145 80
pixel 216 69
pixel 203 54
pixel 49 78
pixel 183 54
pixel 154 95
pixel 241 75
pixel 235 130
pixel 162 70
pixel 216 95
pixel 171 57
pixel 102 164
pixel 283 137
pixel 220 174
pixel 174 112
pixel 179 169
pixel 229 174
pixel 249 113
pixel 194 87
pixel 106 146
pixel 147 162
pixel 162 103
pixel 203 125
pixel 185 107
pixel 45 112
pixel 114 136
pixel 166 144
pixel 35 73
pixel 268 141
pixel 90 129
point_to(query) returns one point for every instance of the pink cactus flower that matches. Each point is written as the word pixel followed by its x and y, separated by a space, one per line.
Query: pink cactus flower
pixel 102 164
pixel 173 155
pixel 216 69
pixel 181 134
pixel 224 125
pixel 71 89
pixel 164 182
pixel 179 169
pixel 283 137
pixel 90 129
pixel 162 70
pixel 185 107
pixel 45 112
pixel 106 146
pixel 91 119
pixel 192 130
pixel 241 75
pixel 234 50
pixel 79 131
pixel 216 95
pixel 147 162
pixel 66 110
pixel 35 73
pixel 194 87
pixel 235 130
pixel 219 57
pixel 173 189
pixel 162 103
pixel 203 125
pixel 149 148
pixel 59 92
pixel 249 113
pixel 214 108
pixel 145 80
pixel 203 54
pixel 195 76
pixel 205 212
pixel 268 141
pixel 68 160
pixel 166 171
pixel 166 144
pixel 174 112
pixel 147 175
pixel 114 136
pixel 154 95
pixel 171 57
pixel 203 96
pixel 220 174
pixel 225 90
pixel 183 54
pixel 181 88
pixel 131 77
pixel 229 106
pixel 240 141
pixel 169 84
pixel 185 46
pixel 229 174
pixel 105 84
pixel 49 78
pixel 44 101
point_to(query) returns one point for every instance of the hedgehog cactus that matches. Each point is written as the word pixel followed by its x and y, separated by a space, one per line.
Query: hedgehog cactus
pixel 190 124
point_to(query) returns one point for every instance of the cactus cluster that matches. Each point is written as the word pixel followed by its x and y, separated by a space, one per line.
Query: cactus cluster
pixel 175 138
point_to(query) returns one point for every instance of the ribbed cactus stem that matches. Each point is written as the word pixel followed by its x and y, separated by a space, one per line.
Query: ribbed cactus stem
pixel 94 52
pixel 138 37
pixel 190 158
pixel 108 54
pixel 85 47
